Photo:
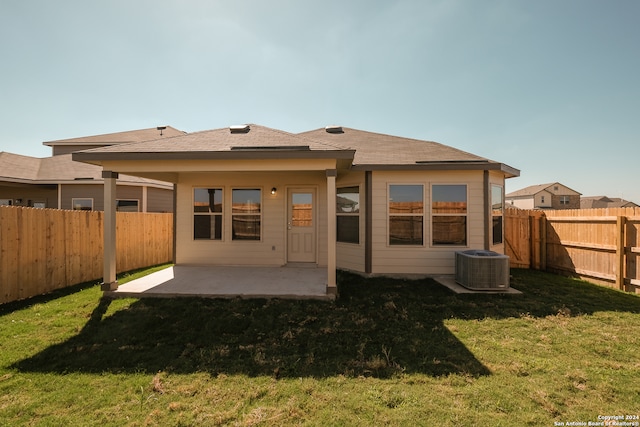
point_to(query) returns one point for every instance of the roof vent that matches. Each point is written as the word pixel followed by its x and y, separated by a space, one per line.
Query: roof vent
pixel 239 128
pixel 333 129
pixel 161 128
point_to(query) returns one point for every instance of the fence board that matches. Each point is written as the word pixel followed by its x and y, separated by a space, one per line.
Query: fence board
pixel 598 244
pixel 42 250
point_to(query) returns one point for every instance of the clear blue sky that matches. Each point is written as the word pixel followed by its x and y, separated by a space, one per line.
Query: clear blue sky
pixel 551 87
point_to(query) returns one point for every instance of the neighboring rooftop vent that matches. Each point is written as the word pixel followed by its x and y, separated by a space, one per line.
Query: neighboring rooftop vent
pixel 239 129
pixel 161 128
pixel 333 129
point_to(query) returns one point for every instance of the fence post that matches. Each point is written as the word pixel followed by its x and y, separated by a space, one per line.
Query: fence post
pixel 543 242
pixel 620 252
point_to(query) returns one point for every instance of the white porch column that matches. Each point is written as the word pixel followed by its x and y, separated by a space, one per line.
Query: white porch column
pixel 109 273
pixel 331 231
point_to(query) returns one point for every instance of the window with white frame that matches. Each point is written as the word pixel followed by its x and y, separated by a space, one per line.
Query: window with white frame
pixel 207 213
pixel 246 213
pixel 564 200
pixel 449 214
pixel 82 204
pixel 348 214
pixel 497 209
pixel 6 202
pixel 406 214
pixel 123 205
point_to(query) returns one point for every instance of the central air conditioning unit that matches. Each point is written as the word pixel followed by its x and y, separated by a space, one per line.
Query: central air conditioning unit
pixel 482 270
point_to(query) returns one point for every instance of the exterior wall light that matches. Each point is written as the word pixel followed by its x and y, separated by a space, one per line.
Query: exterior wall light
pixel 274 190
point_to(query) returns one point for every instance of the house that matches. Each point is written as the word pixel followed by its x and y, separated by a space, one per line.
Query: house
pixel 59 182
pixel 595 202
pixel 545 196
pixel 332 197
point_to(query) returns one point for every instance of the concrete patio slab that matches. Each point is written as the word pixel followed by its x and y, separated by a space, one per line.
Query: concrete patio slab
pixel 294 282
pixel 450 282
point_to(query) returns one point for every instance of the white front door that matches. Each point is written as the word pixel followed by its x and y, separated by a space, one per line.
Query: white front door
pixel 301 225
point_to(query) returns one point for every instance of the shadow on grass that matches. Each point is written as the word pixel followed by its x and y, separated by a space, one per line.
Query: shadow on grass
pixel 12 306
pixel 378 327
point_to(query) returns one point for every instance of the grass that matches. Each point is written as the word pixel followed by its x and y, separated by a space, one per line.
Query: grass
pixel 389 352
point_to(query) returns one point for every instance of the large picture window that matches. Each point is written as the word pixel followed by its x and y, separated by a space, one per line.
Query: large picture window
pixel 449 214
pixel 348 214
pixel 497 209
pixel 207 213
pixel 406 214
pixel 246 213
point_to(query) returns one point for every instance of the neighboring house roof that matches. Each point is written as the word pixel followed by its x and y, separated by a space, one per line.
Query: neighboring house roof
pixel 593 202
pixel 366 150
pixel 57 170
pixel 535 189
pixel 119 137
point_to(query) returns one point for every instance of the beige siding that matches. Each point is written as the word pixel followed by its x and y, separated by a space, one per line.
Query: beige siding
pixel 29 194
pixel 543 195
pixel 82 191
pixel 350 256
pixel 159 200
pixel 426 259
pixel 96 192
pixel 526 203
pixel 271 250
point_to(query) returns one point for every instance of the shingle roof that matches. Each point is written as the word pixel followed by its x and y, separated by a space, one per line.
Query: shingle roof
pixel 120 137
pixel 591 202
pixel 18 167
pixel 367 148
pixel 56 169
pixel 220 140
pixel 380 149
pixel 530 191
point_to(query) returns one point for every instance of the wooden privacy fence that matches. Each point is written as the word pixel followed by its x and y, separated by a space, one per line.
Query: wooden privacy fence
pixel 42 250
pixel 602 245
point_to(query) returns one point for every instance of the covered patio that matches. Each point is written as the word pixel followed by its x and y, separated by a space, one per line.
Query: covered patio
pixel 291 281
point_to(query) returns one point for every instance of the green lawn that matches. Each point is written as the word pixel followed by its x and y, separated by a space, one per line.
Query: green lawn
pixel 387 352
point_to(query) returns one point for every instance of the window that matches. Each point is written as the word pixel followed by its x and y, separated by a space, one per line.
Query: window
pixel 564 200
pixel 348 214
pixel 541 199
pixel 246 216
pixel 126 205
pixel 6 202
pixel 207 213
pixel 406 214
pixel 82 204
pixel 449 214
pixel 497 208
